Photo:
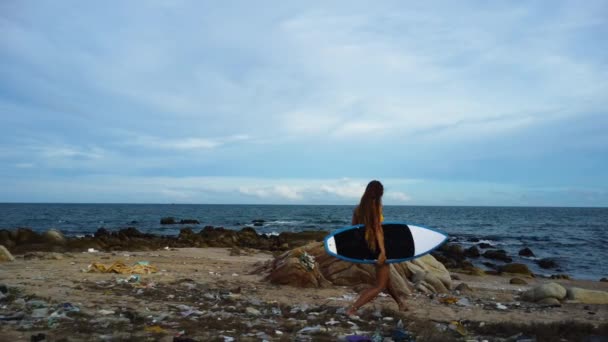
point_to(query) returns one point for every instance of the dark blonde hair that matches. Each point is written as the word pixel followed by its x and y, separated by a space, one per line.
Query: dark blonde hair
pixel 369 210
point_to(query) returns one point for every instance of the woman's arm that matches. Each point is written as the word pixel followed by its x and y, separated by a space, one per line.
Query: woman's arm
pixel 380 241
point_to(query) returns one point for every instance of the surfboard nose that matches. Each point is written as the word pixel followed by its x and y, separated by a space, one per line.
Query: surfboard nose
pixel 426 239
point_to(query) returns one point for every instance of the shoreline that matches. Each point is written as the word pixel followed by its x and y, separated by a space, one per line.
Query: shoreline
pixel 458 253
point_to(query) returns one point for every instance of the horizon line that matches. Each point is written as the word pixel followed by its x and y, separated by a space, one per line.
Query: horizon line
pixel 310 204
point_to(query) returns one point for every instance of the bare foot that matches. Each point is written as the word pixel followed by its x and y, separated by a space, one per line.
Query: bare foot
pixel 351 311
pixel 403 306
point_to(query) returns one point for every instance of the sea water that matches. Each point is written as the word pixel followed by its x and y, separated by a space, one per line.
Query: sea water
pixel 576 238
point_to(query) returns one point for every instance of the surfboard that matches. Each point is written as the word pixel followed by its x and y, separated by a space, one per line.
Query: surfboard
pixel 402 242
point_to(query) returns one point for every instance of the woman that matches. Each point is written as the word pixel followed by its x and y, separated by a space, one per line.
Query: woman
pixel 369 212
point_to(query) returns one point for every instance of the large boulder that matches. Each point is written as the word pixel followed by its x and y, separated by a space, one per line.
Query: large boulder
pixel 587 296
pixel 549 290
pixel 53 237
pixel 311 266
pixel 5 255
pixel 24 236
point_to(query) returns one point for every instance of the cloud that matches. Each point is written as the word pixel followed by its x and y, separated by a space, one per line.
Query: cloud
pixel 459 92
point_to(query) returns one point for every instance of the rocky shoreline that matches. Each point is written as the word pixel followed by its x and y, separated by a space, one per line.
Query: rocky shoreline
pixel 225 285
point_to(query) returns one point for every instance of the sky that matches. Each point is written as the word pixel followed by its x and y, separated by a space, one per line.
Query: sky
pixel 501 103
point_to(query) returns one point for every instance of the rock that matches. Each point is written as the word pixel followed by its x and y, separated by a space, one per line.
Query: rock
pixel 473 239
pixel 167 220
pixel 5 255
pixel 102 232
pixel 527 252
pixel 604 280
pixel 517 281
pixel 189 221
pixel 550 301
pixel 253 311
pixel 552 290
pixel 560 276
pixel 484 245
pixel 464 288
pixel 515 268
pixel 475 271
pixel 497 254
pixel 6 238
pixel 587 296
pixel 547 263
pixel 472 252
pixel 24 236
pixel 53 237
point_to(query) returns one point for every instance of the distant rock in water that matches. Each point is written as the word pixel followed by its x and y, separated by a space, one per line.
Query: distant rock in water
pixel 526 252
pixel 547 263
pixel 472 252
pixel 189 221
pixel 497 254
pixel 484 245
pixel 258 223
pixel 167 220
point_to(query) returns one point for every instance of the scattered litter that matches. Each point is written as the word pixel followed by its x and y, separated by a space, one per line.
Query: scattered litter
pixel 166 248
pixel 92 250
pixel 448 300
pixel 106 312
pixel 463 302
pixel 458 327
pixel 308 261
pixel 121 268
pixel 501 307
pixel 332 322
pixel 155 329
pixel 312 330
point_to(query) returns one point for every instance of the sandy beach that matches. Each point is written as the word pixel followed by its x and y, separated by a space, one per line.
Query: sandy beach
pixel 207 294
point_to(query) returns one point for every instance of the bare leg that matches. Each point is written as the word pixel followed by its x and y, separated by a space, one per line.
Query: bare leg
pixel 400 301
pixel 382 274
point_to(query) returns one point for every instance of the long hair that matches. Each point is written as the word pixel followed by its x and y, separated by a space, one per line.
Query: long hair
pixel 369 211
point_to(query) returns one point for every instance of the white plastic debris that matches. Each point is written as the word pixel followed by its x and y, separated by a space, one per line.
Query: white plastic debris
pixel 92 250
pixel 501 307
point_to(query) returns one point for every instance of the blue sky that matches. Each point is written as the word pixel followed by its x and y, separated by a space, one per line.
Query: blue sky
pixel 447 103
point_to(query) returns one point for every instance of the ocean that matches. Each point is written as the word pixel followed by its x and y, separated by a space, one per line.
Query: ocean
pixel 576 238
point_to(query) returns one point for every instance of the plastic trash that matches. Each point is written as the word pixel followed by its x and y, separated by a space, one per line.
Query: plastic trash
pixel 377 336
pixel 308 261
pixel 69 307
pixel 358 338
pixel 121 268
pixel 92 250
pixel 463 302
pixel 401 335
pixel 155 329
pixel 448 300
pixel 311 330
pixel 501 307
pixel 458 327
